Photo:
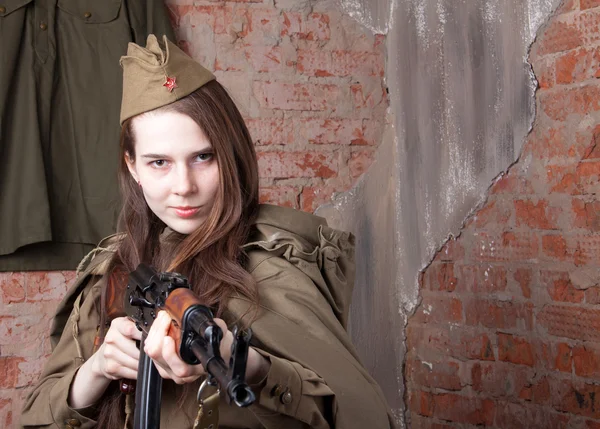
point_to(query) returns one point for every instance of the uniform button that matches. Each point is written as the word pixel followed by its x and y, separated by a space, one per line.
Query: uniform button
pixel 2 9
pixel 286 398
pixel 276 390
pixel 87 15
pixel 43 26
pixel 73 422
pixel 69 427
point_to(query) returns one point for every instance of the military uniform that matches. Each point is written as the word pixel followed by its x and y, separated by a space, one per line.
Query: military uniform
pixel 304 273
pixel 59 133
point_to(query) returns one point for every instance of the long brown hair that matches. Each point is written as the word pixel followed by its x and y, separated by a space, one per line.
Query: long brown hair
pixel 211 257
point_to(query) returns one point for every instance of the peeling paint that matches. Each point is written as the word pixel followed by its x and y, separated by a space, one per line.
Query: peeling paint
pixel 461 104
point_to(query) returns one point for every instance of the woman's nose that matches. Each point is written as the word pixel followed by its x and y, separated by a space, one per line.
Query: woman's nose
pixel 184 182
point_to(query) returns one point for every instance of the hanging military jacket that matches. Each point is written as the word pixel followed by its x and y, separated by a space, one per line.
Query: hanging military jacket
pixel 59 123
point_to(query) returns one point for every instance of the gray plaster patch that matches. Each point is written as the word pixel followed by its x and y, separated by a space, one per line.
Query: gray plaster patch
pixel 461 104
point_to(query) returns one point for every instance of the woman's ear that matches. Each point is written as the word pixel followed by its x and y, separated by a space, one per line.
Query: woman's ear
pixel 131 167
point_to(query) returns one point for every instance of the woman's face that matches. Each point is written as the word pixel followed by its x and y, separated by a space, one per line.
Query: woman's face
pixel 176 168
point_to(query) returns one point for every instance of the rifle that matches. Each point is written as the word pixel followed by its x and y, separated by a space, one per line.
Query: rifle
pixel 193 328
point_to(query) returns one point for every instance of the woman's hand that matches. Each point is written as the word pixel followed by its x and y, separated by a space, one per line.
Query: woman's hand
pixel 163 351
pixel 116 358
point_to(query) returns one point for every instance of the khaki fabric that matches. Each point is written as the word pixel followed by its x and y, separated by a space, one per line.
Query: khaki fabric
pixel 156 75
pixel 304 273
pixel 59 123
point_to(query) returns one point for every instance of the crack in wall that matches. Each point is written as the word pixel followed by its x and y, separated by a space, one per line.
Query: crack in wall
pixel 462 104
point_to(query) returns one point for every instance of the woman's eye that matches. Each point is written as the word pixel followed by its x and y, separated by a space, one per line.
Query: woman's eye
pixel 159 163
pixel 204 156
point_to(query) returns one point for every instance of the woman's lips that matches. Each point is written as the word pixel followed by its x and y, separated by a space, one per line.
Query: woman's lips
pixel 186 212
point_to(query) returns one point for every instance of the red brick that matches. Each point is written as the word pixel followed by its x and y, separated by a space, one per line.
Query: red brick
pixel 440 277
pixel 360 161
pixel 516 350
pixel 511 183
pixel 421 422
pixel 499 380
pixel 481 278
pixel 509 246
pixel 559 105
pixel 330 131
pixel 592 295
pixel 499 314
pixel 587 214
pixel 586 361
pixel 527 416
pixel 438 309
pixel 561 179
pixel 9 368
pixel 298 96
pixel 452 250
pixel 439 374
pixel 6 415
pixel 367 98
pixel 592 151
pixel 291 23
pixel 586 248
pixel 534 215
pixel 421 403
pixel 458 344
pixel 577 398
pixel 12 288
pixel 537 391
pixel 555 246
pixel 264 59
pixel 272 131
pixel 283 165
pixel 494 213
pixel 324 63
pixel 314 196
pixel 551 141
pixel 286 196
pixel 523 277
pixel 314 28
pixel 209 16
pixel 45 286
pixel 588 4
pixel 587 177
pixel 463 409
pixel 563 360
pixel 560 288
pixel 588 22
pixel 557 37
pixel 571 322
pixel 263 26
pixel 545 72
pixel 591 424
pixel 578 66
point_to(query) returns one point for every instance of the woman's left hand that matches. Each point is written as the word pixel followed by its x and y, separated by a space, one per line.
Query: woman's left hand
pixel 163 351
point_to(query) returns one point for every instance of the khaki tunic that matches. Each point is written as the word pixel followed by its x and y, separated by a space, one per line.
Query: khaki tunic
pixel 59 123
pixel 304 273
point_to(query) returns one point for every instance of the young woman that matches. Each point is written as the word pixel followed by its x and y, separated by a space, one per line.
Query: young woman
pixel 190 188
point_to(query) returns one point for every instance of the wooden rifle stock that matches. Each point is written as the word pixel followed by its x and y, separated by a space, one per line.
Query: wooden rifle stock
pixel 197 336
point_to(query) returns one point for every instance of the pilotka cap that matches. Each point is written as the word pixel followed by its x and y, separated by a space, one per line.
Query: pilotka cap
pixel 153 77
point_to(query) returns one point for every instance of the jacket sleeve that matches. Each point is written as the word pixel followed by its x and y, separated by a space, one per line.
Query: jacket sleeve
pixel 46 405
pixel 315 380
pixel 292 396
pixel 149 17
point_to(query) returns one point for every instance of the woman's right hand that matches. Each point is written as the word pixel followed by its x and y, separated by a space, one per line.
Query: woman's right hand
pixel 116 358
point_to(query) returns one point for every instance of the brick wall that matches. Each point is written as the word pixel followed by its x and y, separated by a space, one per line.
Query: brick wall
pixel 507 334
pixel 309 81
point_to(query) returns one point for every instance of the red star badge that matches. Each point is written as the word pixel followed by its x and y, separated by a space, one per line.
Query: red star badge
pixel 170 83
